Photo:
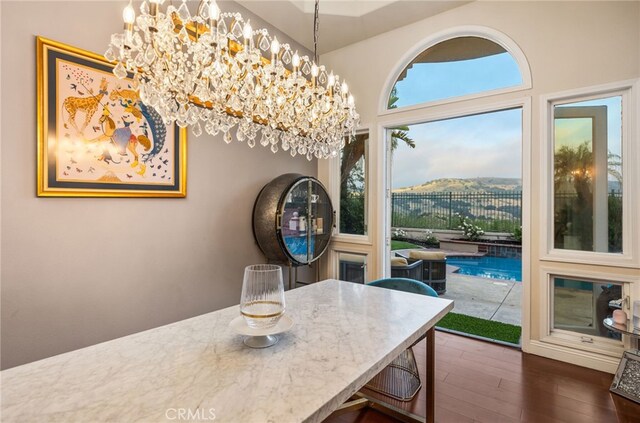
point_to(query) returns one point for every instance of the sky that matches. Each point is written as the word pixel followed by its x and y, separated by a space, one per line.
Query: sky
pixel 467 147
pixel 573 132
pixel 433 81
pixel 486 145
pixel 580 130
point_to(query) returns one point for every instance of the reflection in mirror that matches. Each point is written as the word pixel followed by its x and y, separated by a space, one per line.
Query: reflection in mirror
pixel 588 176
pixel 581 306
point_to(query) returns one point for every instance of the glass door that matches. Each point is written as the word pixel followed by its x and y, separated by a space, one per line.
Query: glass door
pixel 307 218
pixel 295 211
pixel 321 218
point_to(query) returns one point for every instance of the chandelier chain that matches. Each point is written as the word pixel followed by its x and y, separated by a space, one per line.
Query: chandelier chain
pixel 316 27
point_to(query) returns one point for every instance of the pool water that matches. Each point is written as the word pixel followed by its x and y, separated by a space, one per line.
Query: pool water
pixel 488 267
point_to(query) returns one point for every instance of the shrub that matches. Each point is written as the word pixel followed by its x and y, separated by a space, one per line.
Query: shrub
pixel 429 238
pixel 469 230
pixel 517 234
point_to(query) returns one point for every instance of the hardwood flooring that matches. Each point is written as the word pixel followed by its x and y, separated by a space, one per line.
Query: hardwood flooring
pixel 483 382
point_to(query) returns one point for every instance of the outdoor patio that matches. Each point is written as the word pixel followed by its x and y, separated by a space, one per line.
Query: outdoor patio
pixel 490 299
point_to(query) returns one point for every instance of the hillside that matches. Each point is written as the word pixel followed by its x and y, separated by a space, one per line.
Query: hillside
pixel 489 184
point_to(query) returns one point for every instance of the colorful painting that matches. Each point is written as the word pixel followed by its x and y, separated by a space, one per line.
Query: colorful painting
pixel 96 137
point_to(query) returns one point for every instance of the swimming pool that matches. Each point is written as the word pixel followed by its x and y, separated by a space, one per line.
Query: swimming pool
pixel 488 267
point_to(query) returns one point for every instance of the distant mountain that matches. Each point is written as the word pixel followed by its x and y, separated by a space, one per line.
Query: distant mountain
pixel 490 184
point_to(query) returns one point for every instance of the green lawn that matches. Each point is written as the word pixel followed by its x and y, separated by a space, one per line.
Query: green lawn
pixel 481 327
pixel 402 245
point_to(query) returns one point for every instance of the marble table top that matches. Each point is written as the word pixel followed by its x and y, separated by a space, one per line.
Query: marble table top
pixel 200 370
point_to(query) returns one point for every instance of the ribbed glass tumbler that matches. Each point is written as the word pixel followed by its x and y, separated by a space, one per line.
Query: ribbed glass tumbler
pixel 262 300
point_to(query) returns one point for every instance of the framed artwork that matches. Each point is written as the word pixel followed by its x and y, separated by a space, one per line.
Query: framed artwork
pixel 626 382
pixel 96 138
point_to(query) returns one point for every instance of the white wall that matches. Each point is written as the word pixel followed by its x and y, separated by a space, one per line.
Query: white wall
pixel 80 271
pixel 568 45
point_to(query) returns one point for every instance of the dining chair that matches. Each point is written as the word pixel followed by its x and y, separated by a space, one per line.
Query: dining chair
pixel 400 379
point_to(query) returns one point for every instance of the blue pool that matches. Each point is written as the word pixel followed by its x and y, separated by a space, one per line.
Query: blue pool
pixel 488 267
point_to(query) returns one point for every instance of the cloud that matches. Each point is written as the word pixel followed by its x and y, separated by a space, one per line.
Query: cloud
pixel 474 146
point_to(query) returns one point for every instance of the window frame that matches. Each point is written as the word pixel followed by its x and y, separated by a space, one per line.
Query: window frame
pixel 574 340
pixel 335 175
pixel 365 255
pixel 629 257
pixel 465 31
pixel 432 114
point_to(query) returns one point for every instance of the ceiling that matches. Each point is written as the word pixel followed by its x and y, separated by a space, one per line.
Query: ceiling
pixel 343 22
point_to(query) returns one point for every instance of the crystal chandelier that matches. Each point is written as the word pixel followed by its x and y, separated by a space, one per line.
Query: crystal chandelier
pixel 212 70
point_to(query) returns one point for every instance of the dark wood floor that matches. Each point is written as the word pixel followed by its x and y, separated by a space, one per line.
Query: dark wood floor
pixel 482 382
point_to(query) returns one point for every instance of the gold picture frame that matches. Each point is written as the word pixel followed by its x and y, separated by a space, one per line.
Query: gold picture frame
pixel 96 138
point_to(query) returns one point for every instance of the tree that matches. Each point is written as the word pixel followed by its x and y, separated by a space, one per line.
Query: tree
pixel 400 132
pixel 354 147
pixel 352 202
pixel 573 170
pixel 352 196
pixel 614 162
pixel 573 186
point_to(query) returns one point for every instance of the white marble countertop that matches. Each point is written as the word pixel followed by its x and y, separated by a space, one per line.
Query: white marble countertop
pixel 344 333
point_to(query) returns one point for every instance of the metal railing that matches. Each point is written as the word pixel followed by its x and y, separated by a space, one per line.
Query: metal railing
pixel 493 211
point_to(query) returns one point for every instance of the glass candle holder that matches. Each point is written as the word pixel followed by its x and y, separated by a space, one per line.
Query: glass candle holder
pixel 262 300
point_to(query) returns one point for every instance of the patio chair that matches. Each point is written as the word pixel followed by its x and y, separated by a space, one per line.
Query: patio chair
pixel 400 379
pixel 401 268
pixel 434 268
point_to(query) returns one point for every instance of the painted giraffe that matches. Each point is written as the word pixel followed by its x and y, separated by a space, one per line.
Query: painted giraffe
pixel 89 105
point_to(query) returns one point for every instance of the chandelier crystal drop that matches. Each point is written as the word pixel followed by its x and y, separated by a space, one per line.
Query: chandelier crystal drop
pixel 212 71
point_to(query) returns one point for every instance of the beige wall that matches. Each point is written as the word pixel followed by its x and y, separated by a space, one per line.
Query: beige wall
pixel 76 272
pixel 568 45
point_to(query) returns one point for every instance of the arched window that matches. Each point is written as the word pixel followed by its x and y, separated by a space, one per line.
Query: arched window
pixel 457 67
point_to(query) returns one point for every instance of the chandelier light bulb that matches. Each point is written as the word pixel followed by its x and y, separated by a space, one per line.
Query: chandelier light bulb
pixel 214 11
pixel 314 70
pixel 296 60
pixel 331 81
pixel 345 88
pixel 247 32
pixel 128 14
pixel 351 101
pixel 275 46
